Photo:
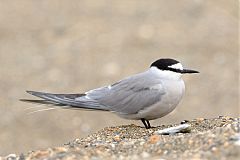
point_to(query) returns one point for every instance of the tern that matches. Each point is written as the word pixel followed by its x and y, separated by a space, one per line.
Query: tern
pixel 145 96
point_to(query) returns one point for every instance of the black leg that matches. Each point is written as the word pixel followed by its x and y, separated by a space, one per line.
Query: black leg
pixel 147 125
pixel 143 121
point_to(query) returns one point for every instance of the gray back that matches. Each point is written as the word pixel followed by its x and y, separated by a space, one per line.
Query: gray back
pixel 131 94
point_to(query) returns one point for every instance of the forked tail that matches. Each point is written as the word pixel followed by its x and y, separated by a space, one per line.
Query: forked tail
pixel 72 100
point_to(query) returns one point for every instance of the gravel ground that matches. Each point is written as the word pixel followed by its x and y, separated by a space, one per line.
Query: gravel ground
pixel 217 138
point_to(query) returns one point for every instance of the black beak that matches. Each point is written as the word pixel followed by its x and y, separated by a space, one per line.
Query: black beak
pixel 188 71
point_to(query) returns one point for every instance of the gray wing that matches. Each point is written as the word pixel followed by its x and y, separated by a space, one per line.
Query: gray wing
pixel 129 95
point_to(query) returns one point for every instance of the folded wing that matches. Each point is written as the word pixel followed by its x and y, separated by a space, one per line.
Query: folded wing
pixel 130 95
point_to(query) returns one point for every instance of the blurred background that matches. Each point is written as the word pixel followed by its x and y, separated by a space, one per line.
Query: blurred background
pixel 73 46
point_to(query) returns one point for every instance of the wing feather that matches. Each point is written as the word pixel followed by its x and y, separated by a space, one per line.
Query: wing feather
pixel 130 95
pixel 67 100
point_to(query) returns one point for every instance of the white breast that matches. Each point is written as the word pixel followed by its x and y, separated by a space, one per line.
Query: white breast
pixel 169 101
pixel 174 92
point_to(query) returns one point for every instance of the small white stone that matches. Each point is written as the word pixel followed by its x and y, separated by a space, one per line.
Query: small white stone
pixel 113 146
pixel 145 155
pixel 173 130
pixel 11 157
pixel 142 143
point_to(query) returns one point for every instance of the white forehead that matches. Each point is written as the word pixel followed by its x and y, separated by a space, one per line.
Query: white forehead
pixel 177 66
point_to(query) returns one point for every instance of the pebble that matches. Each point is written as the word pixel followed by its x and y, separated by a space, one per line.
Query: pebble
pixel 145 155
pixel 117 138
pixel 200 119
pixel 236 139
pixel 41 154
pixel 184 121
pixel 60 149
pixel 154 139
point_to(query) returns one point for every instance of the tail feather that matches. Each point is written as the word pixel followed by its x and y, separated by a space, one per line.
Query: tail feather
pixel 65 100
pixel 40 101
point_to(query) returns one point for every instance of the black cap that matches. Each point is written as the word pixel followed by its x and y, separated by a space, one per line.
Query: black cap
pixel 165 63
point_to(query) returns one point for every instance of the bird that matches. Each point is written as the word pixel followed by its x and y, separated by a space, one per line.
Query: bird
pixel 145 96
